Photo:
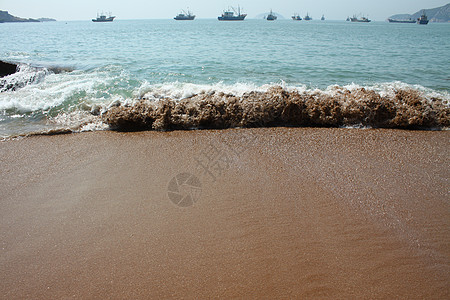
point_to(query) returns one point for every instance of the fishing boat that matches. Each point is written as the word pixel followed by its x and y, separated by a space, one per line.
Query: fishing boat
pixel 423 20
pixel 271 16
pixel 229 15
pixel 103 18
pixel 296 17
pixel 307 17
pixel 348 19
pixel 401 21
pixel 362 19
pixel 323 18
pixel 184 16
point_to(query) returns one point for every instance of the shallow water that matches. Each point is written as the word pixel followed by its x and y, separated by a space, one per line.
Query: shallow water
pixel 128 59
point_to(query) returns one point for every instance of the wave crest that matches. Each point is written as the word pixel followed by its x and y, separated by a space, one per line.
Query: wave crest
pixel 25 75
pixel 278 106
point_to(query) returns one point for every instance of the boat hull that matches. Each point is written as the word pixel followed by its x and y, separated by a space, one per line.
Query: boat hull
pixel 110 19
pixel 360 21
pixel 184 18
pixel 237 18
pixel 401 21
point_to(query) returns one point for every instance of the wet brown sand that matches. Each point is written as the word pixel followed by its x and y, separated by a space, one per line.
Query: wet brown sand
pixel 282 213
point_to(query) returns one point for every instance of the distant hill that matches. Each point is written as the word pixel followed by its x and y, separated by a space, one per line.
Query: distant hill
pixel 438 14
pixel 262 16
pixel 5 17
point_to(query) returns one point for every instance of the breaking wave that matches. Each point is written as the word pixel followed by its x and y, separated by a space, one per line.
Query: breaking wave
pixel 25 75
pixel 392 106
pixel 88 101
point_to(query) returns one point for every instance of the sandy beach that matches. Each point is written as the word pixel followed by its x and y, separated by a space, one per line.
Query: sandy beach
pixel 236 213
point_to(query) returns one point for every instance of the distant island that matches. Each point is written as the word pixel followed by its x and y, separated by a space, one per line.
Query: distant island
pixel 438 14
pixel 46 20
pixel 5 17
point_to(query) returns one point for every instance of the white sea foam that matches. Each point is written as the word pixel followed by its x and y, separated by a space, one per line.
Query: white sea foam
pixel 180 90
pixel 43 90
pixel 25 75
pixel 78 121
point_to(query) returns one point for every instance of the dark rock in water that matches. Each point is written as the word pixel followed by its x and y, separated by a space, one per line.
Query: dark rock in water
pixel 7 68
pixel 18 76
pixel 59 70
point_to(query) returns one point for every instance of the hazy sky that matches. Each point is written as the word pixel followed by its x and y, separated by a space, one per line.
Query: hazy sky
pixel 162 9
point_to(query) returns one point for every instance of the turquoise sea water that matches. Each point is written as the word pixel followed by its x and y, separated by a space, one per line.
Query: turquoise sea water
pixel 127 59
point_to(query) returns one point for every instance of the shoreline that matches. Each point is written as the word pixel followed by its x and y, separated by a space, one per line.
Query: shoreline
pixel 282 212
pixel 72 131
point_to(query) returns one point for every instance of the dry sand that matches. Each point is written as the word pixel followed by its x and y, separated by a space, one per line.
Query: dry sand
pixel 282 213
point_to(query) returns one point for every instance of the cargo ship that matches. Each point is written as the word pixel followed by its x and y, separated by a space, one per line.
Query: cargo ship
pixel 401 21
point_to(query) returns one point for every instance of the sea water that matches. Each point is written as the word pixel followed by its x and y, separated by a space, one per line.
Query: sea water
pixel 70 72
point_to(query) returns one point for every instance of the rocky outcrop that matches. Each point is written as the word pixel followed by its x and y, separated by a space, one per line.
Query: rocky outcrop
pixel 407 109
pixel 7 68
pixel 5 17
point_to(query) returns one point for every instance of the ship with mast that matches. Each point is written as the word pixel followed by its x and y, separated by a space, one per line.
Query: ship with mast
pixel 296 17
pixel 307 17
pixel 361 20
pixel 185 16
pixel 271 16
pixel 232 15
pixel 103 18
pixel 423 20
